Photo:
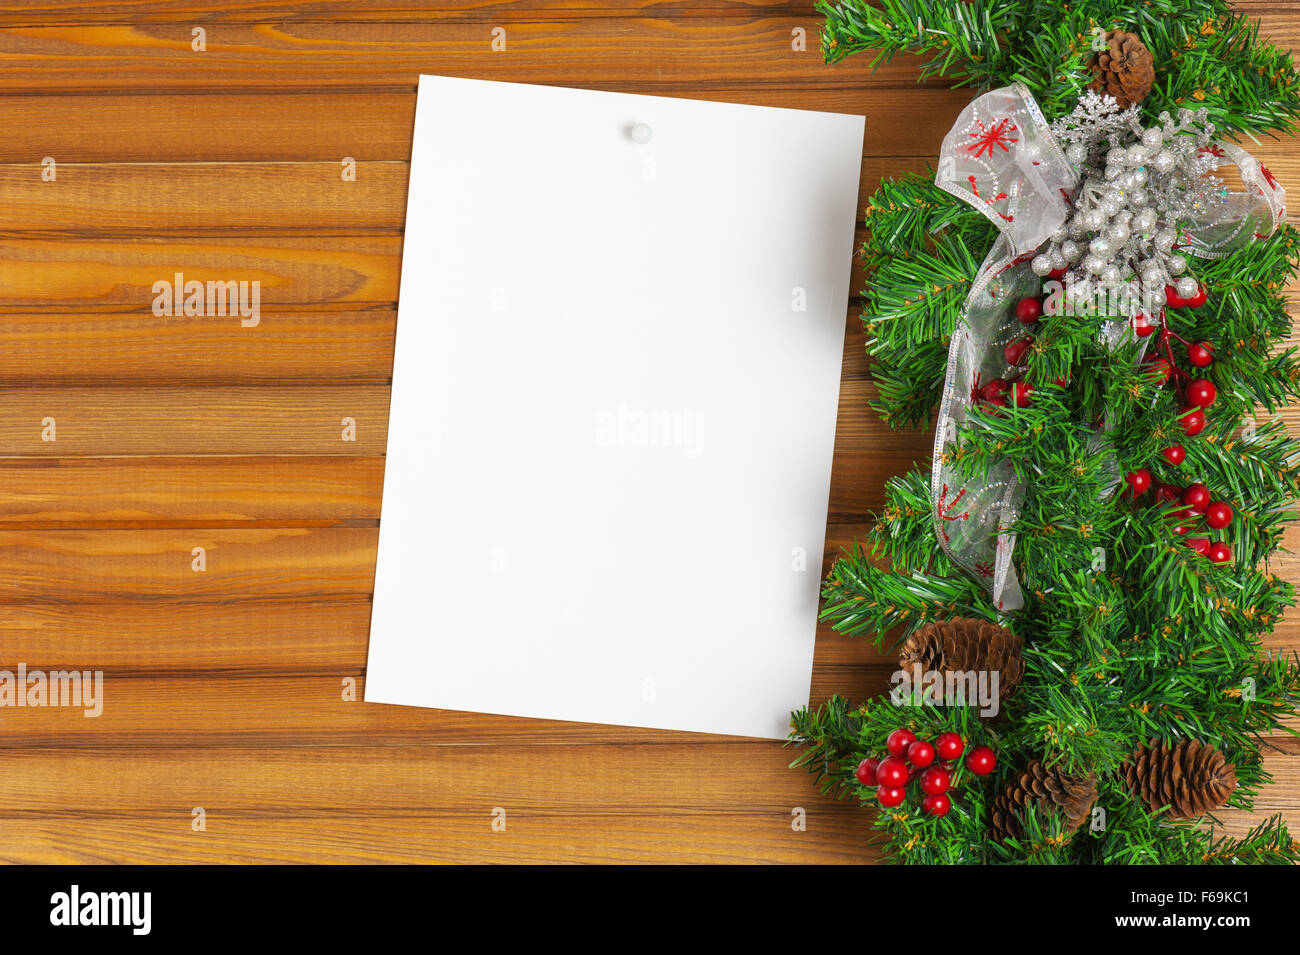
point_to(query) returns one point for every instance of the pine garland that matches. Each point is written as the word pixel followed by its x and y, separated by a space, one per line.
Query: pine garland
pixel 1128 635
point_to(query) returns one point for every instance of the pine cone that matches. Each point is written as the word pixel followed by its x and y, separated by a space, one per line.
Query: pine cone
pixel 1050 790
pixel 1189 777
pixel 1124 70
pixel 963 644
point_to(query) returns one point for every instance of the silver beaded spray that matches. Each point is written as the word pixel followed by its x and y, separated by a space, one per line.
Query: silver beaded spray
pixel 1138 184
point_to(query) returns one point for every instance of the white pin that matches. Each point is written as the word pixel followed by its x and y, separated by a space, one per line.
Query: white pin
pixel 641 134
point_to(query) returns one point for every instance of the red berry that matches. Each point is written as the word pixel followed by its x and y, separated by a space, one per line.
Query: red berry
pixel 1165 493
pixel 1139 482
pixel 1197 497
pixel 1014 352
pixel 892 771
pixel 1159 370
pixel 1021 393
pixel 1197 300
pixel 1202 393
pixel 889 796
pixel 1192 419
pixel 920 754
pixel 937 805
pixel 1200 355
pixel 866 772
pixel 1173 299
pixel 898 742
pixel 1057 274
pixel 949 746
pixel 981 761
pixel 1029 310
pixel 997 401
pixel 1218 515
pixel 997 388
pixel 1142 325
pixel 1220 553
pixel 1175 454
pixel 1199 544
pixel 935 781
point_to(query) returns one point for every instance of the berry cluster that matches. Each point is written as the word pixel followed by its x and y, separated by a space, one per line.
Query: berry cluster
pixel 911 759
pixel 1196 395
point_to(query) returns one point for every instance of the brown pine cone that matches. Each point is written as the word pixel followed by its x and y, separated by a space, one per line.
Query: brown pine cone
pixel 962 645
pixel 1050 791
pixel 1124 70
pixel 1189 777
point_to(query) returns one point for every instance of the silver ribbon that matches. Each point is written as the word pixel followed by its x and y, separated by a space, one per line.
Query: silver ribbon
pixel 1002 158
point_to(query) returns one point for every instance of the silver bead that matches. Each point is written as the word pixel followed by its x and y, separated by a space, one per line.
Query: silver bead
pixel 1117 156
pixel 1101 246
pixel 1155 297
pixel 1153 138
pixel 1094 263
pixel 1164 240
pixel 1041 265
pixel 1092 220
pixel 1137 154
pixel 1138 197
pixel 1176 264
pixel 1164 161
pixel 1144 220
pixel 1118 232
pixel 1187 286
pixel 1114 172
pixel 1111 203
pixel 1139 176
pixel 1076 154
pixel 1110 275
pixel 1152 277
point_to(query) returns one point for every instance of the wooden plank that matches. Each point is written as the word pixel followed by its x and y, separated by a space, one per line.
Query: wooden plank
pixel 285 126
pixel 80 275
pixel 689 777
pixel 143 420
pixel 223 709
pixel 657 54
pixel 198 198
pixel 287 347
pixel 254 635
pixel 27 12
pixel 113 565
pixel 189 491
pixel 836 833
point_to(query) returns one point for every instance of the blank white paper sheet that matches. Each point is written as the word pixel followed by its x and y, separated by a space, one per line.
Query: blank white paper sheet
pixel 613 410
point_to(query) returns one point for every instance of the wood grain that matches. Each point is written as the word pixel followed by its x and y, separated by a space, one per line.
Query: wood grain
pixel 225 688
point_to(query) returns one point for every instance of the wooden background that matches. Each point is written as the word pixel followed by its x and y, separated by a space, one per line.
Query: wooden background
pixel 225 689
